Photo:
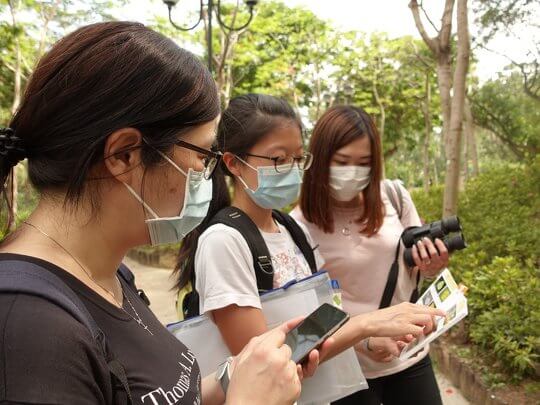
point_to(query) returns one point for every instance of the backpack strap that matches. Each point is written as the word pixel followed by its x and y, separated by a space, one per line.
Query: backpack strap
pixel 22 277
pixel 127 275
pixel 391 187
pixel 18 276
pixel 262 262
pixel 299 237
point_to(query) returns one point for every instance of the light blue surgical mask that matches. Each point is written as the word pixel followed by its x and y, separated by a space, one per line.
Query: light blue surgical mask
pixel 275 190
pixel 197 197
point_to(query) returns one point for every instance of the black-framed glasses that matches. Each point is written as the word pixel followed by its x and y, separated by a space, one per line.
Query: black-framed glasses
pixel 285 164
pixel 211 158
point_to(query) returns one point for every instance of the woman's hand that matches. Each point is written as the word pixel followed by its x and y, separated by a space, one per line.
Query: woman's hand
pixel 402 319
pixel 383 349
pixel 309 367
pixel 430 258
pixel 263 372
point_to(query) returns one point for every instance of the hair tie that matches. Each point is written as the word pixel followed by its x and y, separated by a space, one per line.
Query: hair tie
pixel 11 146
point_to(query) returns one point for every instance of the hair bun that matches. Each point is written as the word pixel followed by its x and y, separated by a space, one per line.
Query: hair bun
pixel 11 146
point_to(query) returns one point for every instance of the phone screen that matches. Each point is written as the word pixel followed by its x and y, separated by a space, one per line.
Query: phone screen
pixel 314 330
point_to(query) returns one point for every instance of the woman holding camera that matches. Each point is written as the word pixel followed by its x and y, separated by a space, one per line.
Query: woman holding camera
pixel 357 230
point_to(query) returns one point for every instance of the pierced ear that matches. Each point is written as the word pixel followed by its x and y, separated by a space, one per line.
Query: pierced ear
pixel 122 153
pixel 232 162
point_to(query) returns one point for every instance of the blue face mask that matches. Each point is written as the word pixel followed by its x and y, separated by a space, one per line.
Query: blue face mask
pixel 197 197
pixel 275 190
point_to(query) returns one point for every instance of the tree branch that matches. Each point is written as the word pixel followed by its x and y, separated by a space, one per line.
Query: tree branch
pixel 498 129
pixel 429 19
pixel 529 82
pixel 430 42
pixel 390 151
pixel 446 25
pixel 420 58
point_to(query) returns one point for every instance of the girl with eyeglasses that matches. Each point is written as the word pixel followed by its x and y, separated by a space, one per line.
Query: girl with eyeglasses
pixel 260 137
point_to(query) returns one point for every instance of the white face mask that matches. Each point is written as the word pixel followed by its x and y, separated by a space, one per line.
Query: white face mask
pixel 197 197
pixel 346 182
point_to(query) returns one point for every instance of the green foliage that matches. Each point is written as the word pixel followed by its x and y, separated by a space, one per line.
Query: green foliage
pixel 500 214
pixel 502 107
pixel 282 52
pixel 505 312
pixel 429 205
pixel 502 15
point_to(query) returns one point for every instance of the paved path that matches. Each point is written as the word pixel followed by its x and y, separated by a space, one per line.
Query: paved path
pixel 157 284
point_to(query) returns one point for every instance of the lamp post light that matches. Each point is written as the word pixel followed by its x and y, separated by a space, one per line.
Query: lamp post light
pixel 210 5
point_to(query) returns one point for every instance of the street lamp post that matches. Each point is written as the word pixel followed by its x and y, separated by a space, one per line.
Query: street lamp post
pixel 210 6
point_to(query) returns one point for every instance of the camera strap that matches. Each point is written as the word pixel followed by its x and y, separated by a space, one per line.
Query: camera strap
pixel 391 282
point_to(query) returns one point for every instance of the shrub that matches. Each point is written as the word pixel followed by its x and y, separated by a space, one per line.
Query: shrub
pixel 500 215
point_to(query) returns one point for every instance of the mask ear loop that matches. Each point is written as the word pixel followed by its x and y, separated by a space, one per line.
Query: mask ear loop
pixel 168 159
pixel 246 187
pixel 150 210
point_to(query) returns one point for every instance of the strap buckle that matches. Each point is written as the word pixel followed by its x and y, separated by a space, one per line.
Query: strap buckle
pixel 265 264
pixel 144 297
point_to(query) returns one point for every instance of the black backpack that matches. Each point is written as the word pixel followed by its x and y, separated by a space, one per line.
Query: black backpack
pixel 22 277
pixel 262 262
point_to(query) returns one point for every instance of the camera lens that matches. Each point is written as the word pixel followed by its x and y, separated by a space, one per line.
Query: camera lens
pixel 451 224
pixel 456 242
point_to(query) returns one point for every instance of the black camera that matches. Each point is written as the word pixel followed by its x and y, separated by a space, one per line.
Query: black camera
pixel 442 230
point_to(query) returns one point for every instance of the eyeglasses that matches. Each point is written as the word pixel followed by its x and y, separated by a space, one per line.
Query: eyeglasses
pixel 211 159
pixel 285 164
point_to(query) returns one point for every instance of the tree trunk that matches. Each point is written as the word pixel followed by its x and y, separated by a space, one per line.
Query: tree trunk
pixel 318 91
pixel 12 182
pixel 435 173
pixel 427 135
pixel 457 108
pixel 470 136
pixel 465 161
pixel 381 108
pixel 444 79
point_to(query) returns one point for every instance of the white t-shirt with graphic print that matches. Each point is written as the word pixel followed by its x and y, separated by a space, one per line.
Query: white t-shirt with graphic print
pixel 224 266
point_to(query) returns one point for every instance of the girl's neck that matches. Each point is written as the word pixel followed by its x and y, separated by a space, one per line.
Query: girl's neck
pixel 262 217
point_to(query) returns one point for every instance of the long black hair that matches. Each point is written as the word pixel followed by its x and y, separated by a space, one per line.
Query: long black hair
pixel 96 80
pixel 246 120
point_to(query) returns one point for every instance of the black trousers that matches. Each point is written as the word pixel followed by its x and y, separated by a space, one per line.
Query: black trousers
pixel 415 385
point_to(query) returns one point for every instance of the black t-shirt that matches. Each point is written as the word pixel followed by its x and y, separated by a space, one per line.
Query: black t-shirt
pixel 48 357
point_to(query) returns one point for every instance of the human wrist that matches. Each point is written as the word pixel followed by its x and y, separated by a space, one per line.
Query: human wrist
pixel 364 326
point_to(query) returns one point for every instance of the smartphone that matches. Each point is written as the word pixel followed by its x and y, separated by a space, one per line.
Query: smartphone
pixel 314 330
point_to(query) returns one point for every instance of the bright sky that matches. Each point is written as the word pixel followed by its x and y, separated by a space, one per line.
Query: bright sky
pixel 391 16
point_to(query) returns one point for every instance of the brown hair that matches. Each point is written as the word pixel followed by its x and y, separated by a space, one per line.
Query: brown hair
pixel 339 126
